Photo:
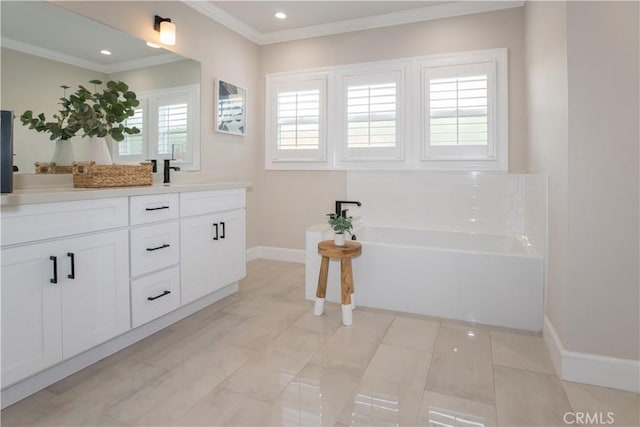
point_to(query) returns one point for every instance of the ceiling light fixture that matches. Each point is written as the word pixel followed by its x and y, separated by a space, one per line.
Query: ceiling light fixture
pixel 167 30
pixel 153 45
pixel 280 15
pixel 105 52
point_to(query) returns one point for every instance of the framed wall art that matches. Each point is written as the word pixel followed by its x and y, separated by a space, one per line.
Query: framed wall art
pixel 232 108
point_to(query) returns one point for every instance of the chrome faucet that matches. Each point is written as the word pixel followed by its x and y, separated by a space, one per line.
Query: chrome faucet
pixel 343 212
pixel 167 170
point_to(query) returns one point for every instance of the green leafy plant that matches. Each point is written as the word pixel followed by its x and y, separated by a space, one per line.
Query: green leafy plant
pixel 98 113
pixel 340 223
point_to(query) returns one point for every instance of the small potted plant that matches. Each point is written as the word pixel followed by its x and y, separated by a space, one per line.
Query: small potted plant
pixel 98 114
pixel 61 129
pixel 340 225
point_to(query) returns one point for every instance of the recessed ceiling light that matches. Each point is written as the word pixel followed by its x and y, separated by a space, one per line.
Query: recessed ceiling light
pixel 105 52
pixel 153 45
pixel 280 15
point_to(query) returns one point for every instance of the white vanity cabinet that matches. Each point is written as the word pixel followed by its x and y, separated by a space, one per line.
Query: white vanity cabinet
pixel 65 295
pixel 213 241
pixel 155 256
pixel 85 274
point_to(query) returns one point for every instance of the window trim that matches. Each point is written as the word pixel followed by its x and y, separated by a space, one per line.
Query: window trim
pixel 498 111
pixel 372 73
pixel 412 124
pixel 276 158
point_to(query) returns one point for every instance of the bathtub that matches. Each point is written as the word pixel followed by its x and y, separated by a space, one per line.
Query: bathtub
pixel 494 279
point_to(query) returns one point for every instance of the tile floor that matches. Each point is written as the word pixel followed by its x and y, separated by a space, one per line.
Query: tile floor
pixel 260 357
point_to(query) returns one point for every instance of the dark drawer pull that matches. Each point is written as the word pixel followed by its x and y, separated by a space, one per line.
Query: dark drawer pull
pixel 156 209
pixel 166 245
pixel 159 296
pixel 216 236
pixel 222 236
pixel 55 269
pixel 73 265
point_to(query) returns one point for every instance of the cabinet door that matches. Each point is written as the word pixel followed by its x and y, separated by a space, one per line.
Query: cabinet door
pixel 31 322
pixel 95 299
pixel 233 252
pixel 213 253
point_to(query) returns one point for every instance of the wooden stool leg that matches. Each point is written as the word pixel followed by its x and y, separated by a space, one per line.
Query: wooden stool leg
pixel 353 290
pixel 346 280
pixel 321 292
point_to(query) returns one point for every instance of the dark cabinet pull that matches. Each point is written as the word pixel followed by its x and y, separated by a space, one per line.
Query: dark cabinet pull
pixel 166 245
pixel 159 296
pixel 73 265
pixel 156 209
pixel 222 236
pixel 55 269
pixel 216 227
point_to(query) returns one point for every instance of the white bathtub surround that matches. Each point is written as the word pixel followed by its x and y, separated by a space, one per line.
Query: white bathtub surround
pixel 484 278
pixel 461 201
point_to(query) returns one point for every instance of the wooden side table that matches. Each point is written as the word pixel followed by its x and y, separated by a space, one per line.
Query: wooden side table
pixel 329 250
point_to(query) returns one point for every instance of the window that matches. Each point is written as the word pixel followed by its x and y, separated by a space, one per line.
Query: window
pixel 296 120
pixel 167 128
pixel 464 125
pixel 132 147
pixel 372 116
pixel 446 112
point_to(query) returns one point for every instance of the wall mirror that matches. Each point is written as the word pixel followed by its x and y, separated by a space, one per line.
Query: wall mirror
pixel 45 46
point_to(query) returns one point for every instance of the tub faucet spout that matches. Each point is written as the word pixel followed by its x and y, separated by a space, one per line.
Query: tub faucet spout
pixel 343 212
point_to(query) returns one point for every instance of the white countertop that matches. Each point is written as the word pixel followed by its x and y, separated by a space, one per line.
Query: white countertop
pixel 66 193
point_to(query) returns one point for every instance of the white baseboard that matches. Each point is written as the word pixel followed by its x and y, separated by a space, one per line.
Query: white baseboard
pixel 621 374
pixel 276 254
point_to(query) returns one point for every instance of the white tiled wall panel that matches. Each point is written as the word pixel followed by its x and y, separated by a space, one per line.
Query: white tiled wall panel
pixel 466 201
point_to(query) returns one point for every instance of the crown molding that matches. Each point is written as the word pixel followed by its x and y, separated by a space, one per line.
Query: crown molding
pixel 50 54
pixel 427 13
pixel 226 19
pixel 89 65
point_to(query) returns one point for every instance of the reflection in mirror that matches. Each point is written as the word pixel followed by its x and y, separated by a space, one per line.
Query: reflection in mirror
pixel 41 52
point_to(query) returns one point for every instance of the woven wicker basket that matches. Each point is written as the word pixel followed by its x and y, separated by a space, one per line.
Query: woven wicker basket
pixel 90 175
pixel 44 167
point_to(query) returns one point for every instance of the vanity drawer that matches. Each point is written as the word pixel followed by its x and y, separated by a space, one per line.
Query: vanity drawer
pixel 154 247
pixel 27 223
pixel 203 202
pixel 153 208
pixel 155 295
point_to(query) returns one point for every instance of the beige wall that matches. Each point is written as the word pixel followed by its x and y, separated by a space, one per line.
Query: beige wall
pixel 25 87
pixel 583 67
pixel 224 55
pixel 546 45
pixel 173 74
pixel 603 54
pixel 310 195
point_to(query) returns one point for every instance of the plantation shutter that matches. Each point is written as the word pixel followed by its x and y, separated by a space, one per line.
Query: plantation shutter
pixel 459 103
pixel 371 115
pixel 298 120
pixel 133 145
pixel 458 111
pixel 172 128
